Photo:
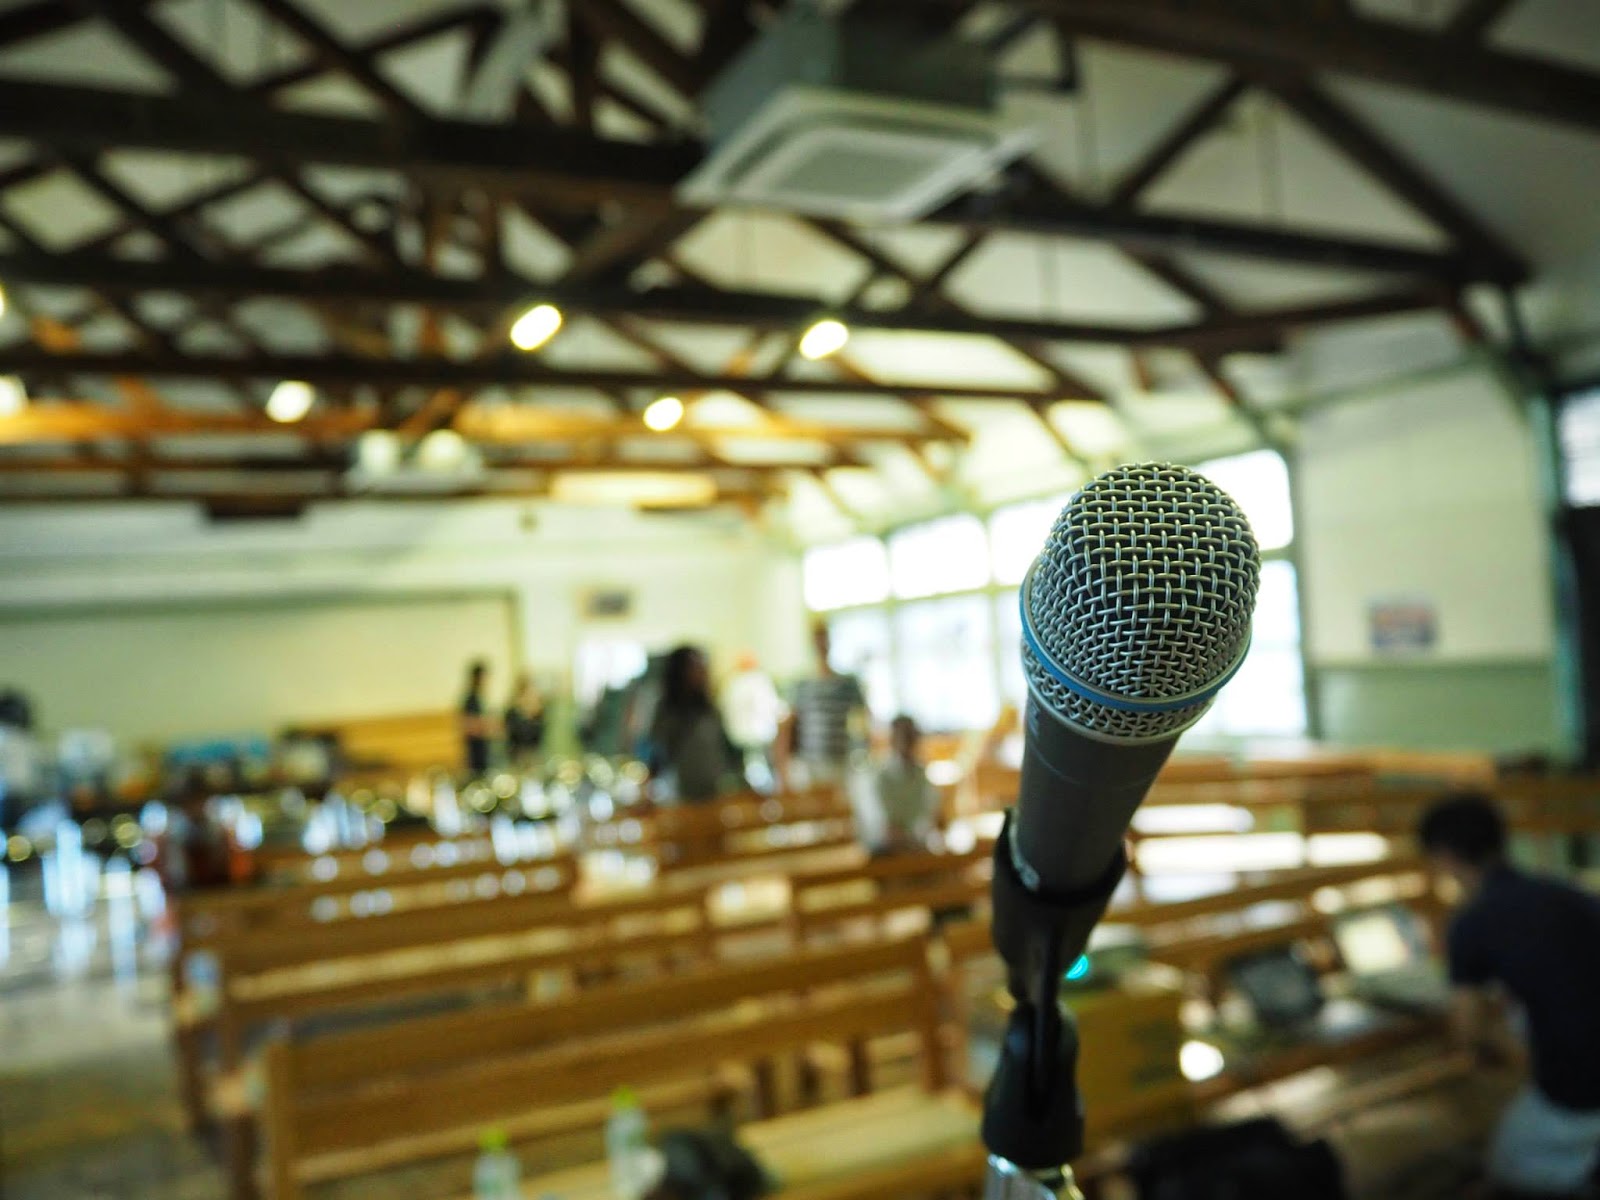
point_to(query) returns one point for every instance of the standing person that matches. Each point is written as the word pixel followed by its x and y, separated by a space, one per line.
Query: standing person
pixel 691 757
pixel 476 728
pixel 524 721
pixel 907 803
pixel 754 713
pixel 827 721
pixel 1536 942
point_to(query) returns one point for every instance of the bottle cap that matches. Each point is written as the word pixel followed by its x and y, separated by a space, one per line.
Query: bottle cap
pixel 493 1140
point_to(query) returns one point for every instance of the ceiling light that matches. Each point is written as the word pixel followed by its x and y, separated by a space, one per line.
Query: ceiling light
pixel 663 414
pixel 290 401
pixel 536 327
pixel 826 337
pixel 378 452
pixel 643 489
pixel 13 396
pixel 443 450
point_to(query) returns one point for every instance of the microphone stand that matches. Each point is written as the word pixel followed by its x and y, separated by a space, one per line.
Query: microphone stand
pixel 1032 1112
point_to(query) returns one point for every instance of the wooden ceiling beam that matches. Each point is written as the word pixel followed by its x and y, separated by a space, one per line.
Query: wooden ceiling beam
pixel 1177 141
pixel 1268 35
pixel 567 166
pixel 689 305
pixel 504 369
pixel 1395 171
pixel 336 55
pixel 612 20
pixel 45 420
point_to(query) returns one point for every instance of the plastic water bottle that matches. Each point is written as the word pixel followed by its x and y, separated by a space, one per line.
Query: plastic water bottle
pixel 497 1175
pixel 628 1146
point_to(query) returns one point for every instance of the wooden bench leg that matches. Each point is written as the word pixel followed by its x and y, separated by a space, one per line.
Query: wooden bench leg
pixel 239 1157
pixel 860 1068
pixel 191 1079
pixel 766 1074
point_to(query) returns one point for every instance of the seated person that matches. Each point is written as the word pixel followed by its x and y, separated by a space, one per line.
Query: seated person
pixel 1536 942
pixel 907 803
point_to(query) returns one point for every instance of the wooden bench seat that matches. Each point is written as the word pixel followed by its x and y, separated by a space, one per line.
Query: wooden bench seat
pixel 378 1091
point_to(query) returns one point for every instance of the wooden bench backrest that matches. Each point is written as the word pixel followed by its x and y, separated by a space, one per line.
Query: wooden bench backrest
pixel 722 1025
pixel 215 915
pixel 420 928
pixel 438 1042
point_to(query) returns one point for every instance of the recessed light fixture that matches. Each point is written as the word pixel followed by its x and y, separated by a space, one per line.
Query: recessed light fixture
pixel 290 401
pixel 825 337
pixel 13 396
pixel 536 327
pixel 663 414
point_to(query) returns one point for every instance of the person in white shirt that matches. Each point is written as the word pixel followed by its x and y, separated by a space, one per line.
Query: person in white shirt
pixel 908 804
pixel 753 712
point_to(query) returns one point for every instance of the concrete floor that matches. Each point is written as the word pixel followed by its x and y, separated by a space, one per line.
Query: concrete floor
pixel 89 1110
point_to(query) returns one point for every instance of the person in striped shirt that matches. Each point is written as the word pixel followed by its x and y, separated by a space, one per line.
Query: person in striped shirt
pixel 827 721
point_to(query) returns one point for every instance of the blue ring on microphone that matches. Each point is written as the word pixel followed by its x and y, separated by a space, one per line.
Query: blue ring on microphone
pixel 1119 703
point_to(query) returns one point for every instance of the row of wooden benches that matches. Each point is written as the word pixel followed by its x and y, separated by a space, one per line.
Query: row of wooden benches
pixel 716 1035
pixel 300 979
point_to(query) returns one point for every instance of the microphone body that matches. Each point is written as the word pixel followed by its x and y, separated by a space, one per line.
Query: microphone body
pixel 1134 616
pixel 1076 799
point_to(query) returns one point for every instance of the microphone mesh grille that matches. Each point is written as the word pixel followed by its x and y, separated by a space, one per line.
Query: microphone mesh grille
pixel 1144 590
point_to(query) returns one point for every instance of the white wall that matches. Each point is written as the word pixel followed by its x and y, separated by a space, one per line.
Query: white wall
pixel 707 578
pixel 1428 490
pixel 157 673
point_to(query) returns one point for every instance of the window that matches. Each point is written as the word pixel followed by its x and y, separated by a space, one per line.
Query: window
pixel 601 663
pixel 1579 430
pixel 947 555
pixel 859 645
pixel 1267 697
pixel 846 573
pixel 1017 533
pixel 1008 637
pixel 1259 481
pixel 945 658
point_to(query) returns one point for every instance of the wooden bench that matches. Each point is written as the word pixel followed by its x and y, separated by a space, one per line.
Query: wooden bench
pixel 829 903
pixel 398 742
pixel 896 1144
pixel 358 1102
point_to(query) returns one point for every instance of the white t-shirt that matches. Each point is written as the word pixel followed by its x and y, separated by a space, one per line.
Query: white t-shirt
pixel 751 708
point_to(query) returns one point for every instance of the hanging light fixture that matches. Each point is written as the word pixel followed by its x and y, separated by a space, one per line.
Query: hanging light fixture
pixel 290 401
pixel 826 336
pixel 663 414
pixel 13 396
pixel 535 327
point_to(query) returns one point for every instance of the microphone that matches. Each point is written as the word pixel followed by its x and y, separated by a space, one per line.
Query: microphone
pixel 1134 616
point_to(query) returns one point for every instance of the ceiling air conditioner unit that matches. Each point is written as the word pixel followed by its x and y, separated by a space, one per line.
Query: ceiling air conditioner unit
pixel 852 118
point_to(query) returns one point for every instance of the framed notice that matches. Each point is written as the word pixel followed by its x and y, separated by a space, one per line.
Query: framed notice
pixel 1402 625
pixel 605 603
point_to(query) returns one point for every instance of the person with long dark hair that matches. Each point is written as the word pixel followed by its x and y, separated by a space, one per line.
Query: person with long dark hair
pixel 691 758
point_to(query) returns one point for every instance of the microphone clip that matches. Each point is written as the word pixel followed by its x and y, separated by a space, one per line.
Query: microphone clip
pixel 1032 1113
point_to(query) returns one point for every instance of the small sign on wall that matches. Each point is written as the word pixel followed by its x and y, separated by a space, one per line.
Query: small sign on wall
pixel 1400 625
pixel 606 604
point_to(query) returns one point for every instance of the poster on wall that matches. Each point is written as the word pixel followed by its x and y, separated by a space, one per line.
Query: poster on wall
pixel 1398 625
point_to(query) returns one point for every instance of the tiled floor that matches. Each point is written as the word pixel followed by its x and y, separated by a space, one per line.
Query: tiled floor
pixel 88 1104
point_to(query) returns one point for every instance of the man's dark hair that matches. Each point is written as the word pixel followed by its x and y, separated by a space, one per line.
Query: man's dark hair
pixel 476 670
pixel 1466 825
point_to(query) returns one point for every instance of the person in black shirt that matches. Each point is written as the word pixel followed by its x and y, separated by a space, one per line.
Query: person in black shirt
pixel 476 728
pixel 691 759
pixel 524 722
pixel 1536 943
